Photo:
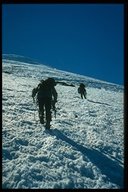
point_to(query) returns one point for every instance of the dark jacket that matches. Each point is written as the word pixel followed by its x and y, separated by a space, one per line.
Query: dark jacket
pixel 45 89
pixel 81 88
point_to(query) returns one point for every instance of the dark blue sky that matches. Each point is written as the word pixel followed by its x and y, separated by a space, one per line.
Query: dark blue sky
pixel 87 39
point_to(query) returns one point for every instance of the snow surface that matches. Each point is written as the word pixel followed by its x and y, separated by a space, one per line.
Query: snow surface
pixel 85 147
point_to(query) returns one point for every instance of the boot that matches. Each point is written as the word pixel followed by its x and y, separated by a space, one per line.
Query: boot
pixel 47 126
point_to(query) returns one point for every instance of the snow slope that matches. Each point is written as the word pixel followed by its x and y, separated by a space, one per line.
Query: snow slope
pixel 85 147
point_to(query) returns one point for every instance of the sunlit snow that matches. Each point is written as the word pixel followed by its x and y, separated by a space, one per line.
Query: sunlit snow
pixel 85 146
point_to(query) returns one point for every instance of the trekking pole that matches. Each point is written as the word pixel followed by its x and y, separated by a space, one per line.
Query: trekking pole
pixel 54 108
pixel 35 106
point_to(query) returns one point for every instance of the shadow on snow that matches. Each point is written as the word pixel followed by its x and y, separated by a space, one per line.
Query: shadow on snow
pixel 107 166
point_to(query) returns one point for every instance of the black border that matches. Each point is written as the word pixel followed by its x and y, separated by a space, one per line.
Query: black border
pixel 123 2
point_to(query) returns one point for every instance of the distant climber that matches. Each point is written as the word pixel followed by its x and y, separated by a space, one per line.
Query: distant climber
pixel 82 91
pixel 46 98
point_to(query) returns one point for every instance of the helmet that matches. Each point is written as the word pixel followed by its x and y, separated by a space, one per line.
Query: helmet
pixel 82 85
pixel 51 81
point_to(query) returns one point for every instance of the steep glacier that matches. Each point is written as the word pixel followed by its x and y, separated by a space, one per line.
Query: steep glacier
pixel 85 148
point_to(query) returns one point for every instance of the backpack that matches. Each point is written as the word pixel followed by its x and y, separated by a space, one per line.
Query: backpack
pixel 44 89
